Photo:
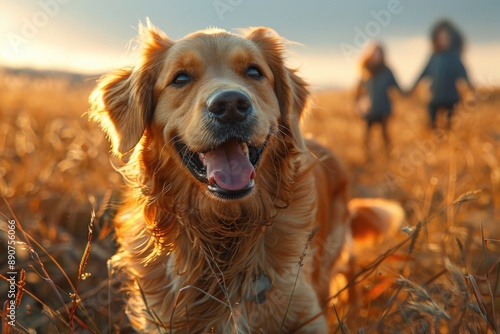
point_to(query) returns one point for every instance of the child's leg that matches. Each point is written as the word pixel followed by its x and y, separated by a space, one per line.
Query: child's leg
pixel 385 134
pixel 449 115
pixel 433 109
pixel 369 125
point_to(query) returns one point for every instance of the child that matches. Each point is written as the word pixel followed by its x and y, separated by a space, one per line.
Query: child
pixel 444 69
pixel 372 100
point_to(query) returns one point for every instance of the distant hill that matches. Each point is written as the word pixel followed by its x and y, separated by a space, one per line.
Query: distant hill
pixel 72 77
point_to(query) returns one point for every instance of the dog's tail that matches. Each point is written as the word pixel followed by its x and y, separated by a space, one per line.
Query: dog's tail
pixel 374 225
pixel 374 218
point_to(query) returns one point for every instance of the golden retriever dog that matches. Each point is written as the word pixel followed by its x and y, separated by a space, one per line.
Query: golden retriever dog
pixel 233 223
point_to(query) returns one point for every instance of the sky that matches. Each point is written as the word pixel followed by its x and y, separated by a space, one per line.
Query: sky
pixel 94 36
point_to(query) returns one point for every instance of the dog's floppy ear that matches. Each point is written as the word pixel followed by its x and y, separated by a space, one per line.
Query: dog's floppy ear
pixel 123 101
pixel 291 90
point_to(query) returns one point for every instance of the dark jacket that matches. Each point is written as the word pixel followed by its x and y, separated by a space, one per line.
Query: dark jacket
pixel 377 90
pixel 444 69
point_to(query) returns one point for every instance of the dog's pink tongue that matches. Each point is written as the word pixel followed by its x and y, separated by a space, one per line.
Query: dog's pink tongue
pixel 228 166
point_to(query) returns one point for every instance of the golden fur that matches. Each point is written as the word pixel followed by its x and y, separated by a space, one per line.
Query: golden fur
pixel 194 260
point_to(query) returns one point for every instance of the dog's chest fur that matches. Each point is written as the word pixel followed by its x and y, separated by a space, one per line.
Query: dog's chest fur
pixel 230 283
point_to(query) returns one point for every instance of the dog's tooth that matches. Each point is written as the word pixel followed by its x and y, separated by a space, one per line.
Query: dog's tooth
pixel 244 148
pixel 202 157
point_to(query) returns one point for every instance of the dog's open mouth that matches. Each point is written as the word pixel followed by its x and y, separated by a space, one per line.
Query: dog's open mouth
pixel 228 170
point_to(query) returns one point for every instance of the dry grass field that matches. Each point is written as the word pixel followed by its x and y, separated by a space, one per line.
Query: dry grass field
pixel 440 274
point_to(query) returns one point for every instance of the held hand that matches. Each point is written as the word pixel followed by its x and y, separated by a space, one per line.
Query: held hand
pixel 470 99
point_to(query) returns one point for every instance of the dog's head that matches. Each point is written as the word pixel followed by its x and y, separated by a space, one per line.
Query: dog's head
pixel 214 102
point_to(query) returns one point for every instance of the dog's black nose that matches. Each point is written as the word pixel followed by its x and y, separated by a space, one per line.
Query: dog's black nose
pixel 230 106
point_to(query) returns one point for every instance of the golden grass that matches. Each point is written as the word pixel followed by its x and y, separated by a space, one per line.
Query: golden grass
pixel 439 275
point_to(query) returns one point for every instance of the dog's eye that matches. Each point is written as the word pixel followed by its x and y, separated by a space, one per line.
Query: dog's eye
pixel 181 79
pixel 254 73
